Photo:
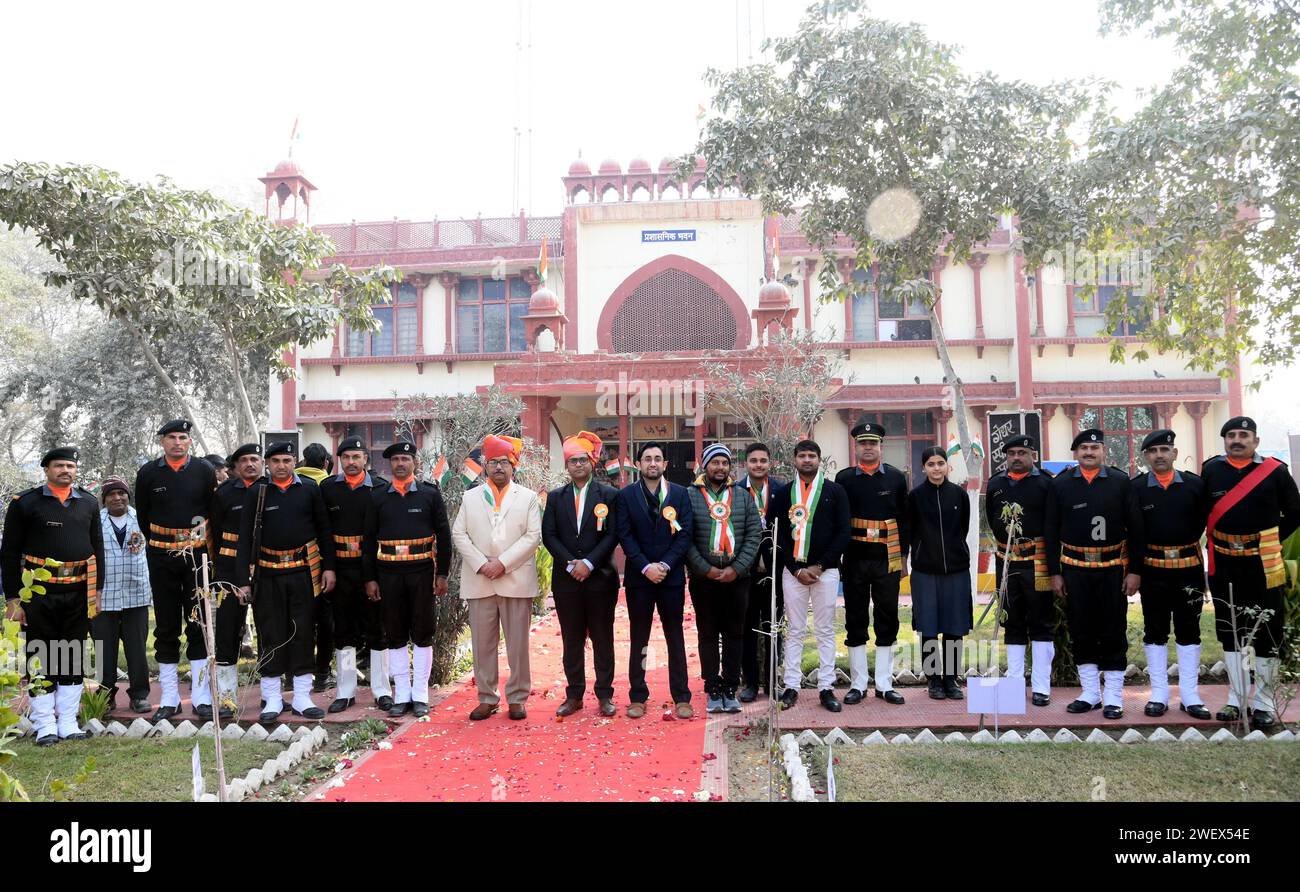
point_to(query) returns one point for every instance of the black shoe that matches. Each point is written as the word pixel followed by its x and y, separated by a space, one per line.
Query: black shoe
pixel 165 712
pixel 1228 713
pixel 1078 706
pixel 225 713
pixel 385 703
pixel 418 709
pixel 788 698
pixel 140 706
pixel 203 711
pixel 268 717
pixel 935 688
pixel 1154 709
pixel 397 710
pixel 342 703
pixel 47 740
pixel 892 697
pixel 1262 719
pixel 311 712
pixel 853 697
pixel 749 693
pixel 952 689
pixel 1196 711
pixel 1113 712
pixel 1041 699
pixel 321 683
pixel 828 700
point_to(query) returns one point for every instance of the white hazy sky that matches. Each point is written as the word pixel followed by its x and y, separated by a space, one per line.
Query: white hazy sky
pixel 410 110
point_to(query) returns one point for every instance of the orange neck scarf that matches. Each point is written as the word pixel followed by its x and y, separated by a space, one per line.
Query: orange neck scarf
pixel 869 469
pixel 1089 475
pixel 177 465
pixel 499 493
pixel 1164 479
pixel 1014 476
pixel 283 486
pixel 62 493
pixel 1241 464
pixel 356 481
pixel 403 485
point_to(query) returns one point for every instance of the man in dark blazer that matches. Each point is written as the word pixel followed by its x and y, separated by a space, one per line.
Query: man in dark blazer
pixel 578 531
pixel 655 525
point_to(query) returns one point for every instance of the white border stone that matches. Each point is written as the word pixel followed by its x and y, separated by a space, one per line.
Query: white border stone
pixel 838 737
pixel 875 738
pixel 1098 736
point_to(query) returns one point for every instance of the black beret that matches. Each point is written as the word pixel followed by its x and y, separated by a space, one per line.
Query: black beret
pixel 175 426
pixel 61 453
pixel 1091 435
pixel 1020 440
pixel 401 447
pixel 285 448
pixel 350 443
pixel 1163 437
pixel 1240 423
pixel 246 449
pixel 868 430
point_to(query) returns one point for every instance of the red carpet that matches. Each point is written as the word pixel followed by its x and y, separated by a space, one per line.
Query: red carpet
pixel 585 757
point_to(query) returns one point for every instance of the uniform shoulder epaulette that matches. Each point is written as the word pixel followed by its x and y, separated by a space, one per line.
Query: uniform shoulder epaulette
pixel 376 480
pixel 1212 458
pixel 1050 475
pixel 27 492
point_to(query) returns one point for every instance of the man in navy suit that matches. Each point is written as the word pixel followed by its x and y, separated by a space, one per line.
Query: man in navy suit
pixel 578 531
pixel 654 524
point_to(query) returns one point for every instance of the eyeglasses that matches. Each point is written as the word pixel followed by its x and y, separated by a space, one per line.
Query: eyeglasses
pixel 497 462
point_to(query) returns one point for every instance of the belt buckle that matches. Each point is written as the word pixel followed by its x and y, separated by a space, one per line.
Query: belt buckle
pixel 1171 554
pixel 1237 546
pixel 873 533
pixel 63 570
pixel 402 549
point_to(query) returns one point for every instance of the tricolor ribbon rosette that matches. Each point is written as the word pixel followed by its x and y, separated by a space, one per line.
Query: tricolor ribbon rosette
pixel 670 515
pixel 601 511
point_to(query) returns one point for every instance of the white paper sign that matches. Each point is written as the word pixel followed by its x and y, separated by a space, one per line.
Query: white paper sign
pixel 197 768
pixel 1004 696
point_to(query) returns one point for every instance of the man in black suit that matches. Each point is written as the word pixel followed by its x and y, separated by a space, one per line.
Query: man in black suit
pixel 578 531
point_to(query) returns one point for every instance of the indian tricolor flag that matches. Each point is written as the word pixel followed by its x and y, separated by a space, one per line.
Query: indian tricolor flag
pixel 471 470
pixel 441 471
pixel 611 467
pixel 543 261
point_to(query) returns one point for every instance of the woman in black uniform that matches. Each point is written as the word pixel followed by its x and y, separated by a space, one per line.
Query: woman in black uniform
pixel 939 512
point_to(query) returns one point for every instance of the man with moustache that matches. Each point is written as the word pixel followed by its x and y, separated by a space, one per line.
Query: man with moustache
pixel 1172 508
pixel 292 571
pixel 227 518
pixel 1254 506
pixel 57 520
pixel 357 619
pixel 497 531
pixel 1093 532
pixel 578 530
pixel 1030 608
pixel 722 551
pixel 814 531
pixel 173 497
pixel 655 525
pixel 758 612
pixel 124 608
pixel 405 557
pixel 875 561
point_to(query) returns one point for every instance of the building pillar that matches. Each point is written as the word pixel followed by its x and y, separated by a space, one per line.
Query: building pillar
pixel 809 268
pixel 1038 302
pixel 1049 412
pixel 977 263
pixel 537 419
pixel 624 446
pixel 420 281
pixel 1198 411
pixel 449 281
pixel 981 414
pixel 845 267
pixel 1024 362
pixel 1070 330
pixel 289 390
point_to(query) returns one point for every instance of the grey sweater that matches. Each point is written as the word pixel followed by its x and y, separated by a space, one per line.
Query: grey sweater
pixel 745 522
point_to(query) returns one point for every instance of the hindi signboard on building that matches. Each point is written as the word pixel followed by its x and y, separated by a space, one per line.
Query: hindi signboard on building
pixel 667 235
pixel 1005 425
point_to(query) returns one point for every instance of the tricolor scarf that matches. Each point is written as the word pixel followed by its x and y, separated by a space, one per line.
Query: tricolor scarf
pixel 760 495
pixel 490 496
pixel 668 512
pixel 580 501
pixel 802 508
pixel 722 536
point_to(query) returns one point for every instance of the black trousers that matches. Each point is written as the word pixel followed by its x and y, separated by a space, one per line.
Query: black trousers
pixel 408 606
pixel 171 579
pixel 357 619
pixel 56 627
pixel 587 613
pixel 1097 612
pixel 324 611
pixel 1172 594
pixel 868 584
pixel 1031 614
pixel 720 619
pixel 641 606
pixel 940 656
pixel 131 628
pixel 758 619
pixel 1245 575
pixel 284 614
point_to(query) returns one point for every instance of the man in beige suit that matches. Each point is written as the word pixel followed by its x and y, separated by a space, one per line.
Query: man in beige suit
pixel 497 531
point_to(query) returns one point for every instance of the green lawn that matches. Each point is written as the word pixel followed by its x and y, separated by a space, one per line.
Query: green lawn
pixel 1049 772
pixel 907 651
pixel 149 770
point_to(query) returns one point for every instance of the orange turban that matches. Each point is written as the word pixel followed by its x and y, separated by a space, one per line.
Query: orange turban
pixel 495 446
pixel 582 443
